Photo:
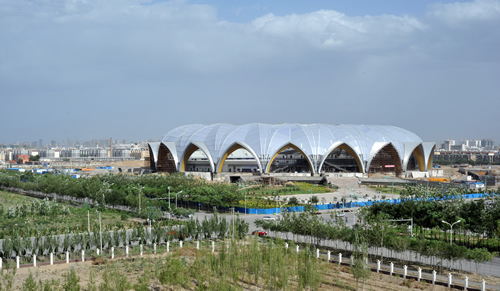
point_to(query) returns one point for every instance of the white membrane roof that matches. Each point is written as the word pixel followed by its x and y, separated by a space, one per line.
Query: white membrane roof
pixel 266 140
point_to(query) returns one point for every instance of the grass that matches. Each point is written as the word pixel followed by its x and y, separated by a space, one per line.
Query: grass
pixel 290 188
pixel 387 189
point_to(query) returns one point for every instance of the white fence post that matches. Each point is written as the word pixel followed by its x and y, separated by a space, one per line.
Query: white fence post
pixel 419 274
pixel 317 253
pixel 126 250
pixel 180 244
pixel 297 249
pixel 405 270
pixel 34 260
pixel 392 268
pixel 112 252
pixel 83 256
pixel 433 277
pixel 213 246
pixel 340 259
pixel 328 254
pixel 51 259
pixel 286 245
pixel 97 251
pixel 17 262
pixel 483 285
pixel 449 280
pixel 67 257
pixel 198 245
pixel 141 249
pixel 378 266
pixel 466 283
pixel 1 267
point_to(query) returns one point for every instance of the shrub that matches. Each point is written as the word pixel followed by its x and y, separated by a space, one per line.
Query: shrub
pixel 71 281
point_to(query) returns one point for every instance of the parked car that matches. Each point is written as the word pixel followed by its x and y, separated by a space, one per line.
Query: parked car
pixel 268 218
pixel 260 232
pixel 340 214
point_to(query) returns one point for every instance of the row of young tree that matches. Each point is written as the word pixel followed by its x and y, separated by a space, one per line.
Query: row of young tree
pixel 429 207
pixel 377 232
pixel 234 266
pixel 119 189
pixel 214 227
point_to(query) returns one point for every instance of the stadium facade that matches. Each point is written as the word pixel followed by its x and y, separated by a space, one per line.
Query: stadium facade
pixel 314 148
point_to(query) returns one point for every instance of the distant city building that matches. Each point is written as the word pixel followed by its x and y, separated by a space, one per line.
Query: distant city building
pixel 447 144
pixel 49 154
pixel 458 147
pixel 488 143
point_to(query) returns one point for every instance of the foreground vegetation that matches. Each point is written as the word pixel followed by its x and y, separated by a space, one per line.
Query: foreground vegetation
pixel 430 241
pixel 235 265
pixel 118 189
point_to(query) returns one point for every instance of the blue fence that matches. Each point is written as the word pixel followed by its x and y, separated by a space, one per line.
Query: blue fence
pixel 349 204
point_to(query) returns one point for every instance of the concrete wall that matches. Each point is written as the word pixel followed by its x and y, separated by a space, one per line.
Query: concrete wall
pixel 203 175
pixel 349 175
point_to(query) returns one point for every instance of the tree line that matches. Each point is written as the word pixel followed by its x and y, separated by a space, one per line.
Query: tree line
pixel 119 189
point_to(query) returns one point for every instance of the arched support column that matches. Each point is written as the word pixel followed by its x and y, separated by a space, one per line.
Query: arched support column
pixel 348 149
pixel 290 145
pixel 377 158
pixel 190 149
pixel 166 159
pixel 414 149
pixel 153 148
pixel 429 148
pixel 234 147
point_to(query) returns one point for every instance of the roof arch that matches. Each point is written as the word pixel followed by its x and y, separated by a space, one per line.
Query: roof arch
pixel 345 146
pixel 234 146
pixel 295 147
pixel 190 149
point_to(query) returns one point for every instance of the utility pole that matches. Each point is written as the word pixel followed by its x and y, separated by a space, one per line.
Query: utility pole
pixel 100 229
pixel 88 212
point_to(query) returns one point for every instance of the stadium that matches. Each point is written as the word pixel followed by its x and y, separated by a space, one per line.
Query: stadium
pixel 314 149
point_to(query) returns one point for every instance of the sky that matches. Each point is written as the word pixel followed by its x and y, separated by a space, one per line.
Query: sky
pixel 83 69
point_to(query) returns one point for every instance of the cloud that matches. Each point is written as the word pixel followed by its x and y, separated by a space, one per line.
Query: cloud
pixel 77 56
pixel 464 13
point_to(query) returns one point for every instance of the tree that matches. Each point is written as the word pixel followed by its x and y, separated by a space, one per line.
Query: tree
pixel 35 158
pixel 359 267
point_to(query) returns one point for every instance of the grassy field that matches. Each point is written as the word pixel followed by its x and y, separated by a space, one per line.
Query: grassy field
pixel 66 218
pixel 286 189
pixel 387 189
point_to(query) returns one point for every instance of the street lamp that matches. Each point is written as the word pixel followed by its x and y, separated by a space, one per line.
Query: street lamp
pixel 451 227
pixel 168 198
pixel 149 216
pixel 140 190
pixel 88 212
pixel 176 198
